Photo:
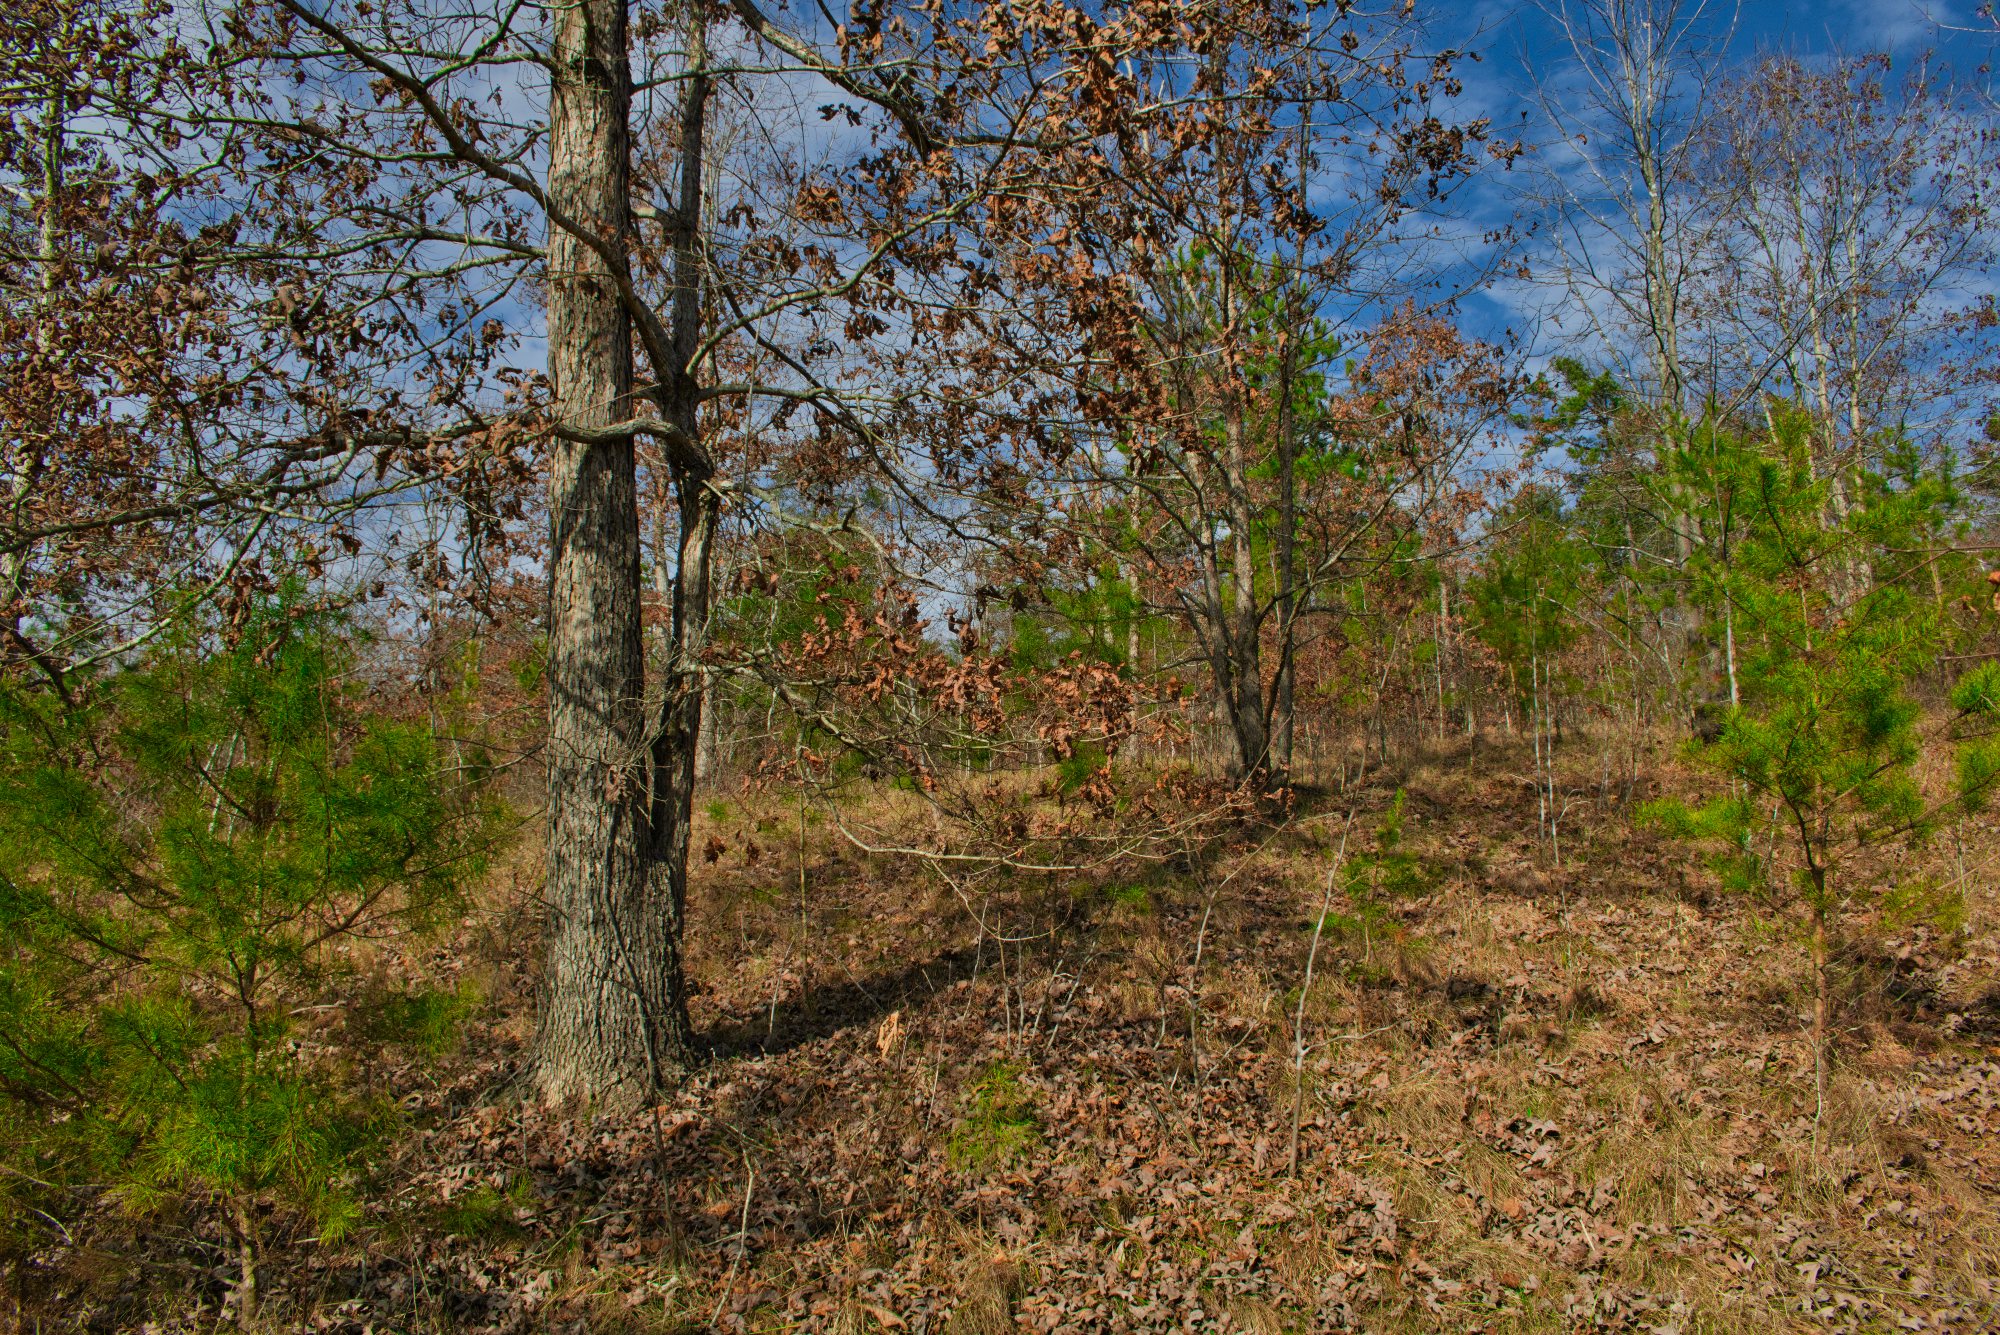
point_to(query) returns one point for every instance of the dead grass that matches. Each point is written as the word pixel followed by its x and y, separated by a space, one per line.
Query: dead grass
pixel 1538 1099
pixel 987 1288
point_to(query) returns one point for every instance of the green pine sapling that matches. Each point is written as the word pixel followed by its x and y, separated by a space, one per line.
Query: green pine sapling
pixel 1833 628
pixel 1368 880
pixel 1372 883
pixel 1522 612
pixel 1376 880
pixel 181 861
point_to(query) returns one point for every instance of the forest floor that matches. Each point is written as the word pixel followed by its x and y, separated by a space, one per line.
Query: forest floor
pixel 1533 1098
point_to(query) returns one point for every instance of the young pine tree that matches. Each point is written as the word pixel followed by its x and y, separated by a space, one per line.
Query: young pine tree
pixel 1523 608
pixel 1834 626
pixel 180 862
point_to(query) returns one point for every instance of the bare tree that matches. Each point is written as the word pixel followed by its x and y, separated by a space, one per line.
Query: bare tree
pixel 1858 213
pixel 740 317
pixel 1626 109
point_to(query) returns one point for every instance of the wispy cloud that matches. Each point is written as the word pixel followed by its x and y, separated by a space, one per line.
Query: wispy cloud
pixel 1895 25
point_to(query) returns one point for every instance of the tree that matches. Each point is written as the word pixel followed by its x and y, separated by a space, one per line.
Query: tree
pixel 1856 233
pixel 1634 226
pixel 1820 755
pixel 188 857
pixel 1523 601
pixel 194 402
pixel 1628 109
pixel 1292 227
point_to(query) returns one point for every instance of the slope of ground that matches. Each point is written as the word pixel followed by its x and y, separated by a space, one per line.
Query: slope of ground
pixel 1532 1098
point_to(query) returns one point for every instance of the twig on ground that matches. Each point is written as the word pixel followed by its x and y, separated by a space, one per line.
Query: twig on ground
pixel 1299 1020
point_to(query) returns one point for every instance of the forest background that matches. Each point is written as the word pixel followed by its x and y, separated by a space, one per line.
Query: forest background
pixel 1094 666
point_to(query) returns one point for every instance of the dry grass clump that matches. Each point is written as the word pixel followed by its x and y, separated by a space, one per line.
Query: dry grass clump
pixel 987 1290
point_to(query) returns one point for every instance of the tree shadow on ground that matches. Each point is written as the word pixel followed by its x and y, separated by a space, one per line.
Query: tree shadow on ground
pixel 829 1006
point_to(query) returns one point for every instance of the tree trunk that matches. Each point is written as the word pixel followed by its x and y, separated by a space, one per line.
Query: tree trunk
pixel 677 742
pixel 24 461
pixel 1822 951
pixel 612 1019
pixel 1244 701
pixel 1444 613
pixel 244 1224
pixel 1284 690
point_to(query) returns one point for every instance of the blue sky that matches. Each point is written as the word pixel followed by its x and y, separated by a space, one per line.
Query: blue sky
pixel 1898 26
pixel 1799 27
pixel 1515 40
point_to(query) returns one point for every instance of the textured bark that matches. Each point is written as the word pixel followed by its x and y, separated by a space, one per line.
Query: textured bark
pixel 1822 954
pixel 1284 709
pixel 1244 699
pixel 677 739
pixel 613 1020
pixel 677 743
pixel 244 1225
